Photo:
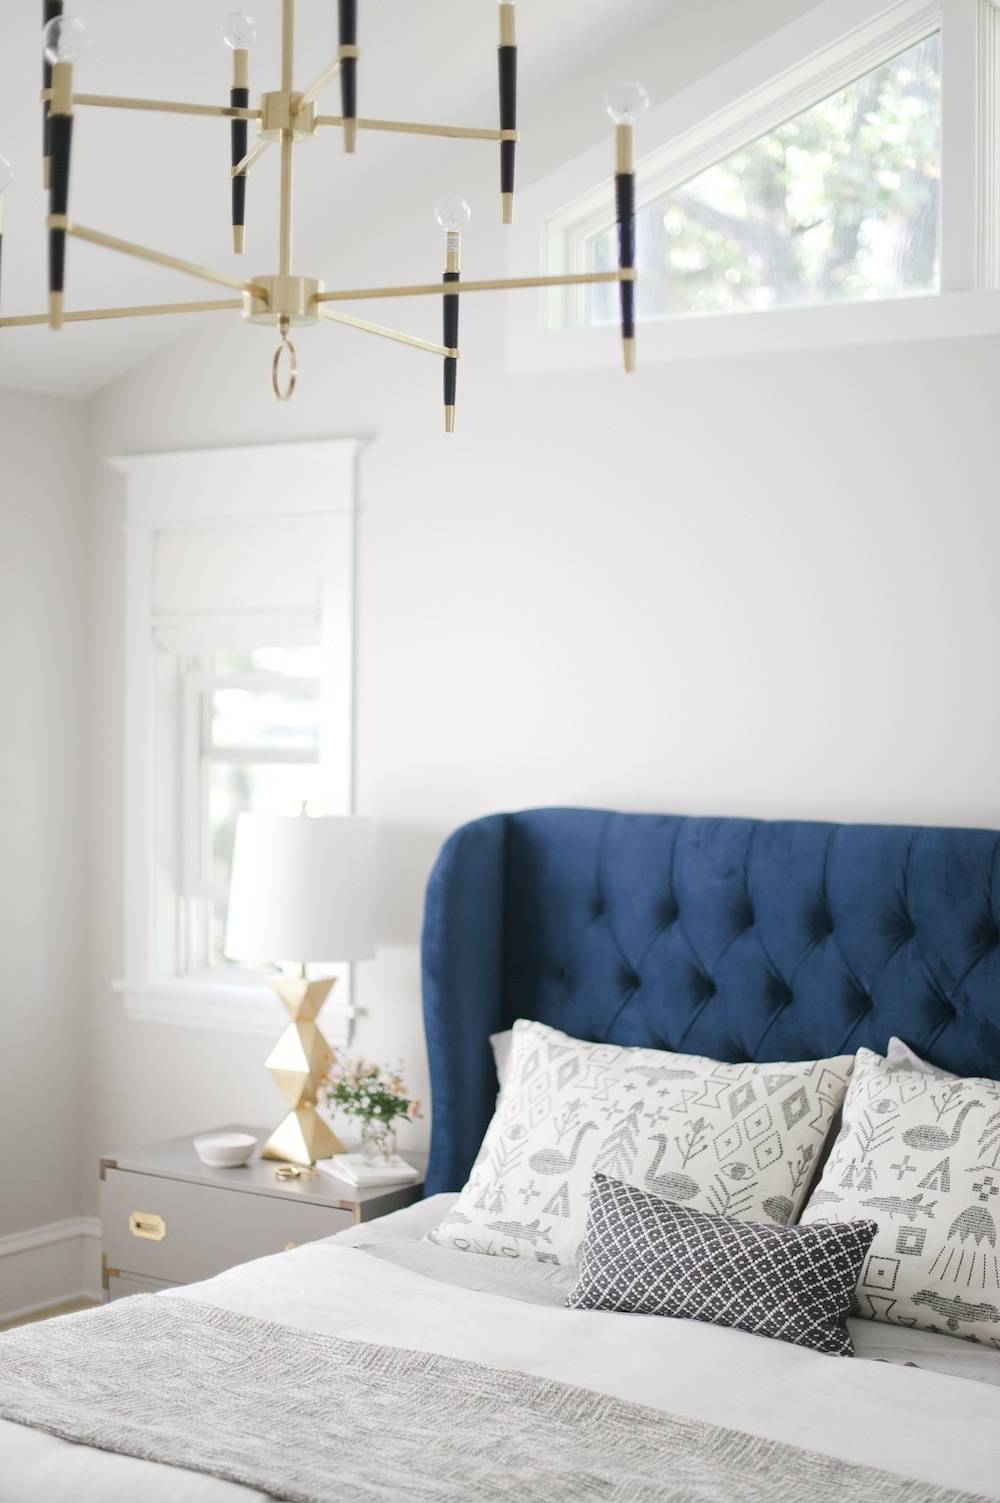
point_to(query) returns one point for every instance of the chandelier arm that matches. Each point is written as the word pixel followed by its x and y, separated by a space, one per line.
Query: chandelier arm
pixel 450 310
pixel 287 45
pixel 51 11
pixel 287 140
pixel 159 106
pixel 144 253
pixel 366 328
pixel 347 26
pixel 285 228
pixel 500 284
pixel 314 90
pixel 507 65
pixel 239 97
pixel 625 214
pixel 407 127
pixel 148 310
pixel 60 143
pixel 251 158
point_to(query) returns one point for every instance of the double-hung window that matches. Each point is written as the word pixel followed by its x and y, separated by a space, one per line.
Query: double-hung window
pixel 239 696
pixel 250 741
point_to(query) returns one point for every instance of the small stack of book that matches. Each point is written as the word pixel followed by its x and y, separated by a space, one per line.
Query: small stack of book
pixel 365 1174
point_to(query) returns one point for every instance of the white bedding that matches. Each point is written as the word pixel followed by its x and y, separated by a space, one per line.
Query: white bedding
pixel 382 1284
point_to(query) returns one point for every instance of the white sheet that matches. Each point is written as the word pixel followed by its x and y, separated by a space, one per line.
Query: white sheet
pixel 924 1424
pixel 398 1239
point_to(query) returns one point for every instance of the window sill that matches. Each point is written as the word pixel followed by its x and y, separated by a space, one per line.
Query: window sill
pixel 949 315
pixel 216 1007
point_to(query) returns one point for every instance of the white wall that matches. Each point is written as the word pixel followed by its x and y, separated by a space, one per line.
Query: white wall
pixel 43 796
pixel 759 586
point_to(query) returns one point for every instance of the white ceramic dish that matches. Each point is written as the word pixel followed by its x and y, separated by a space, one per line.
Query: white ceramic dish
pixel 225 1150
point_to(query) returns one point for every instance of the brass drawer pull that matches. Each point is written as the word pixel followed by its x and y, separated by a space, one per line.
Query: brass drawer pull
pixel 290 1246
pixel 146 1224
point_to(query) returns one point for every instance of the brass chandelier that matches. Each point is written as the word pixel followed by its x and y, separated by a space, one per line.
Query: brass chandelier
pixel 287 117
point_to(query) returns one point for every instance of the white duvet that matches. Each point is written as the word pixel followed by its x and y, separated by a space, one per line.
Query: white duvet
pixel 382 1284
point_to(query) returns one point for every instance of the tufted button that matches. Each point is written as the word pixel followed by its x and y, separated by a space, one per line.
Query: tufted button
pixel 668 913
pixel 633 981
pixel 708 989
pixel 782 994
pixel 599 908
pixel 566 976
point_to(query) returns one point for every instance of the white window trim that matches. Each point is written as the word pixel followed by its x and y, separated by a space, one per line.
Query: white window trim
pixel 805 61
pixel 263 485
pixel 987 86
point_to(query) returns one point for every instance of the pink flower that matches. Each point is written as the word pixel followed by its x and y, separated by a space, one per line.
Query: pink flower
pixel 413 1110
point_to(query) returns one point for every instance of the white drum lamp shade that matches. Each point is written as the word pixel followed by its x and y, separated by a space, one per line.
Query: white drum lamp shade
pixel 302 890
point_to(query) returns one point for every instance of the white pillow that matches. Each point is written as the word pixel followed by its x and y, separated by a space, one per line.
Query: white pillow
pixel 501 1044
pixel 736 1140
pixel 901 1057
pixel 919 1153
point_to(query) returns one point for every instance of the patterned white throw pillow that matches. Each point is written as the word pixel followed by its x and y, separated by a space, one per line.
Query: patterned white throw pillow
pixel 736 1140
pixel 920 1154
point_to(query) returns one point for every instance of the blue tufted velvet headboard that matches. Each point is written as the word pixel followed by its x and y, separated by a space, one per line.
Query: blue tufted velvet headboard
pixel 738 939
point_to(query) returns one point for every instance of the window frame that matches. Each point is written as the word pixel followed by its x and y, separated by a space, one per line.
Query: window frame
pixel 679 163
pixel 813 57
pixel 269 485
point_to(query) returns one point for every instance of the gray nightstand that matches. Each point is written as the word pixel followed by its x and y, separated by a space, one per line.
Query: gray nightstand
pixel 166 1219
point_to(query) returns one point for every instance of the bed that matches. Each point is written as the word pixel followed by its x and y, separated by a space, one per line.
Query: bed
pixel 740 940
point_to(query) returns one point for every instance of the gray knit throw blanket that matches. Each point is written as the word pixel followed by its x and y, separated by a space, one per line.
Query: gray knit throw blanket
pixel 314 1419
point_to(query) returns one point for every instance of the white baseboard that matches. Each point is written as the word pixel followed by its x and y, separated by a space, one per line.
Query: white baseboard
pixel 49 1264
pixel 96 1296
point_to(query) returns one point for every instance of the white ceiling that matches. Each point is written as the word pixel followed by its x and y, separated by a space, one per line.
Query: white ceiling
pixel 163 181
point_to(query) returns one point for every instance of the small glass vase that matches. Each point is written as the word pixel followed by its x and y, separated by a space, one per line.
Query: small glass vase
pixel 378 1141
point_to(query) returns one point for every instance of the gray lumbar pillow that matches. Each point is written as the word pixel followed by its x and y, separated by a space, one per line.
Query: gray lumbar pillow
pixel 646 1256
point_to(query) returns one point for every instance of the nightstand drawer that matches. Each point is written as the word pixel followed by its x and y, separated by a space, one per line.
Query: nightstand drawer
pixel 178 1232
pixel 121 1284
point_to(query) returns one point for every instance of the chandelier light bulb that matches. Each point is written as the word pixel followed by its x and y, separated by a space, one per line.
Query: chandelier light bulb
pixel 452 214
pixel 626 102
pixel 6 174
pixel 65 40
pixel 239 31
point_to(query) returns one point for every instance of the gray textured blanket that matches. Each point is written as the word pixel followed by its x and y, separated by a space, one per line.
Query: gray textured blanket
pixel 313 1419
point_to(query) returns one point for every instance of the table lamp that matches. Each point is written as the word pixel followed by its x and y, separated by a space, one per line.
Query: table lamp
pixel 301 893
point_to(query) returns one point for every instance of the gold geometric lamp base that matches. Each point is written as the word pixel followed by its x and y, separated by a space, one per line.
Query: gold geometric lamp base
pixel 298 1062
pixel 301 893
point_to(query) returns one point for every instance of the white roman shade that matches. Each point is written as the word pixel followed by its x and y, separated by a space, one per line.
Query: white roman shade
pixel 207 580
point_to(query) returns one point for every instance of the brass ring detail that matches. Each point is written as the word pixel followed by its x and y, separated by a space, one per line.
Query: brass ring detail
pixel 284 394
